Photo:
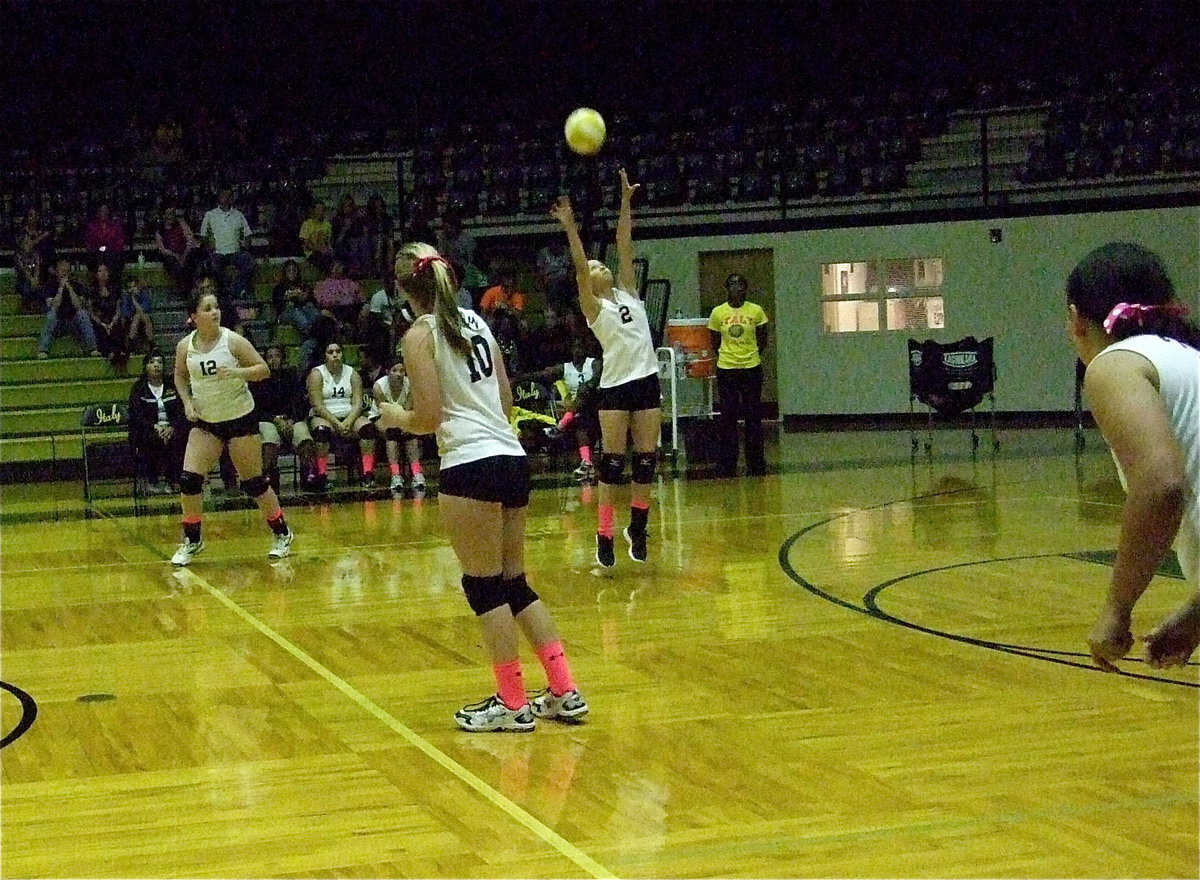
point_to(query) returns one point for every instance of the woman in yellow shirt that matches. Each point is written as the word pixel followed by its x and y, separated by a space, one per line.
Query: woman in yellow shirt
pixel 739 331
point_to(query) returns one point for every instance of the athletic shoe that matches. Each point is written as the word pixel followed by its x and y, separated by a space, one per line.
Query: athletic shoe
pixel 187 551
pixel 585 473
pixel 637 545
pixel 397 485
pixel 552 432
pixel 492 714
pixel 418 485
pixel 281 546
pixel 604 551
pixel 571 706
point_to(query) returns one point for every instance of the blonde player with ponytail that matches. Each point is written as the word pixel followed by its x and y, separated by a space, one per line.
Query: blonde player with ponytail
pixel 461 393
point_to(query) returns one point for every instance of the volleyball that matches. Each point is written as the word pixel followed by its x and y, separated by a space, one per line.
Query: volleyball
pixel 585 131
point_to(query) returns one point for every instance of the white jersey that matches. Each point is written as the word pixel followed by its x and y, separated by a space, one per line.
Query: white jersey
pixel 624 334
pixel 473 424
pixel 338 394
pixel 216 399
pixel 403 397
pixel 1178 368
pixel 574 376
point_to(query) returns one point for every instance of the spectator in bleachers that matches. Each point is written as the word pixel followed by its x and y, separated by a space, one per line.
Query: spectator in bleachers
pixel 557 274
pixel 335 393
pixel 65 304
pixel 282 405
pixel 339 296
pixel 27 264
pixel 41 240
pixel 177 249
pixel 289 288
pixel 226 231
pixel 378 326
pixel 455 243
pixel 380 231
pixel 350 245
pixel 105 239
pixel 135 308
pixel 104 308
pixel 502 296
pixel 316 239
pixel 158 428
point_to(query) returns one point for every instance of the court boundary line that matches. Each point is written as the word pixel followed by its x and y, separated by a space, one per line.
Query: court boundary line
pixel 513 810
pixel 872 611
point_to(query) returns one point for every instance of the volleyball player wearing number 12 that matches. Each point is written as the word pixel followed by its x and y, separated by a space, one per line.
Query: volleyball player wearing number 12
pixel 460 392
pixel 630 398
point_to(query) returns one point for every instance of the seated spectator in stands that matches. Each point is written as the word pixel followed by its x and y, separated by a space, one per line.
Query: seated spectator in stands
pixel 27 264
pixel 380 231
pixel 300 310
pixel 226 231
pixel 316 239
pixel 455 243
pixel 158 428
pixel 506 327
pixel 335 393
pixel 339 296
pixel 503 296
pixel 548 344
pixel 41 240
pixel 403 450
pixel 557 274
pixel 177 249
pixel 135 311
pixel 282 405
pixel 350 245
pixel 466 300
pixel 65 304
pixel 378 334
pixel 104 308
pixel 288 288
pixel 105 239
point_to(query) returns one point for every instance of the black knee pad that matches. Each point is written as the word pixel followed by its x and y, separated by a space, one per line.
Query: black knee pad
pixel 612 468
pixel 191 483
pixel 322 434
pixel 643 466
pixel 484 594
pixel 256 486
pixel 519 594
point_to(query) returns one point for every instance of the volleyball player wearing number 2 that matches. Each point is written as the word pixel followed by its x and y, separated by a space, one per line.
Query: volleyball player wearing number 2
pixel 460 392
pixel 630 399
pixel 212 366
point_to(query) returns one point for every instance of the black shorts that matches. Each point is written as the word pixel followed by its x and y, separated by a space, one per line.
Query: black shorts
pixel 398 436
pixel 243 426
pixel 500 478
pixel 640 394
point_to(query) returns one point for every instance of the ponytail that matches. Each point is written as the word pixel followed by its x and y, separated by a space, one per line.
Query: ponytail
pixel 1125 288
pixel 426 276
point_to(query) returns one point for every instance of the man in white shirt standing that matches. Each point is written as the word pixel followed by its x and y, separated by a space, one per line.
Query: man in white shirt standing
pixel 227 233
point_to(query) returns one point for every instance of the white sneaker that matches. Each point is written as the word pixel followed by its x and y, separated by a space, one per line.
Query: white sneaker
pixel 397 483
pixel 187 551
pixel 281 546
pixel 492 714
pixel 418 484
pixel 571 706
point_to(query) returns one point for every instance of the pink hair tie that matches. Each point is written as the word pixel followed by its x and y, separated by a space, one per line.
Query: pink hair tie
pixel 421 263
pixel 1123 310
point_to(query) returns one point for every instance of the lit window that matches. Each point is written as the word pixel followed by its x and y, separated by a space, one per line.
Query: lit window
pixel 907 292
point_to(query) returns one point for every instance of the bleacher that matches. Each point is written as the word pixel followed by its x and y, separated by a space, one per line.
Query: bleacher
pixel 41 401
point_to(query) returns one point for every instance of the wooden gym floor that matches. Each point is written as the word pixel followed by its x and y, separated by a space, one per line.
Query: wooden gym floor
pixel 860 665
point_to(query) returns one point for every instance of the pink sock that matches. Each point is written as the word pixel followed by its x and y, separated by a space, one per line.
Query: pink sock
pixel 395 466
pixel 416 468
pixel 322 465
pixel 368 463
pixel 565 421
pixel 510 683
pixel 558 672
pixel 606 520
pixel 585 454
